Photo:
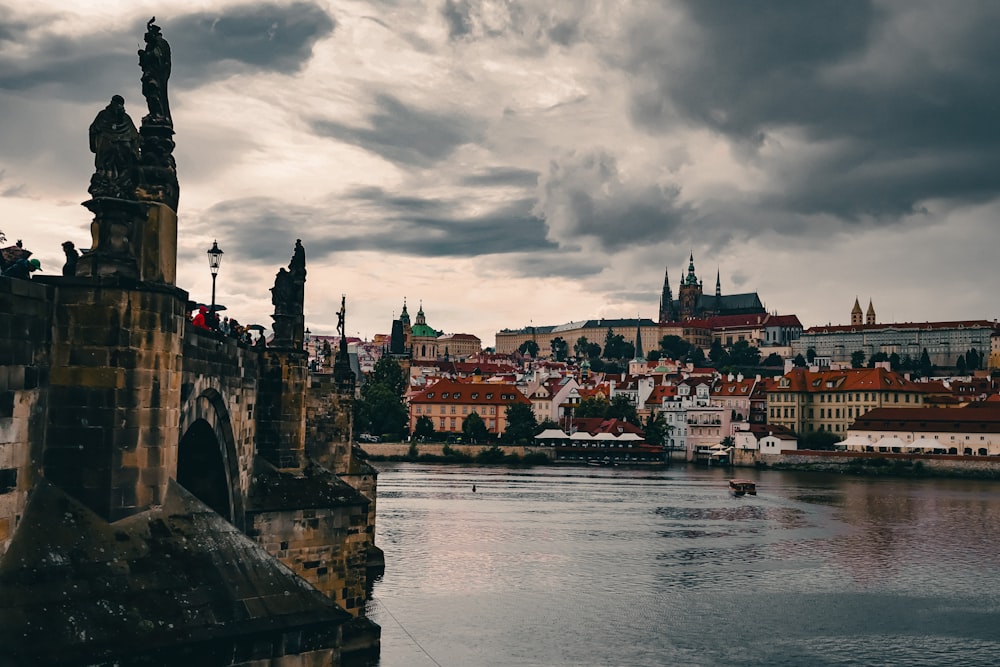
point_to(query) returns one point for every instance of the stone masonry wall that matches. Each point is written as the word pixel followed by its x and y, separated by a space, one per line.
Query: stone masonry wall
pixel 329 423
pixel 25 333
pixel 329 430
pixel 115 377
pixel 215 363
pixel 326 547
pixel 281 407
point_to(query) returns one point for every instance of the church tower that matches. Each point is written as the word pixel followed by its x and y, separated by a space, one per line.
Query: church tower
pixel 689 293
pixel 870 315
pixel 667 313
pixel 404 319
pixel 856 313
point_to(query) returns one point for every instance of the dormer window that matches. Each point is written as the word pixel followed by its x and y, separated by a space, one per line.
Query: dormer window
pixel 489 397
pixel 444 395
pixel 456 396
pixel 430 394
pixel 475 395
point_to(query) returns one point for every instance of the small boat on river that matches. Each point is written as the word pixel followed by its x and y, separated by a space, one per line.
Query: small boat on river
pixel 742 487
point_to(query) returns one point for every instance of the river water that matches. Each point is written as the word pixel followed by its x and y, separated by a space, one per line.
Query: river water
pixel 611 566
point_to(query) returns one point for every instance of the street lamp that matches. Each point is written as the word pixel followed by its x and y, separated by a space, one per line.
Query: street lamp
pixel 214 261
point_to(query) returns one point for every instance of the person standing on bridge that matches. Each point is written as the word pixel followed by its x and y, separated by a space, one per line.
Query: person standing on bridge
pixel 23 268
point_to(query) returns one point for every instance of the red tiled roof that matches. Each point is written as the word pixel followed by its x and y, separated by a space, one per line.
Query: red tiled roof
pixel 725 388
pixel 458 336
pixel 470 393
pixel 746 320
pixel 661 392
pixel 984 419
pixel 595 425
pixel 802 380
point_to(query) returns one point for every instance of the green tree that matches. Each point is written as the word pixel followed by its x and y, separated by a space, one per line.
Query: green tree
pixel 925 366
pixel 621 407
pixel 858 359
pixel 560 348
pixel 521 423
pixel 616 347
pixel 961 365
pixel 773 359
pixel 717 354
pixel 818 440
pixel 675 347
pixel 728 441
pixel 656 428
pixel 799 361
pixel 894 361
pixel 389 373
pixel 744 354
pixel 529 347
pixel 654 355
pixel 580 348
pixel 972 359
pixel 424 428
pixel 877 358
pixel 697 357
pixel 386 413
pixel 594 406
pixel 381 408
pixel 474 429
pixel 811 355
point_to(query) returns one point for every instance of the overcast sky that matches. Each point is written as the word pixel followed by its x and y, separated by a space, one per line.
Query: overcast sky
pixel 517 162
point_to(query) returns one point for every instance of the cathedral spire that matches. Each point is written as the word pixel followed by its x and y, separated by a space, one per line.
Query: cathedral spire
pixel 718 283
pixel 404 316
pixel 691 279
pixel 666 300
pixel 870 315
pixel 639 356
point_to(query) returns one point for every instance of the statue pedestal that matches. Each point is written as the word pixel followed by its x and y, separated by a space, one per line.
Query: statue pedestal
pixel 111 252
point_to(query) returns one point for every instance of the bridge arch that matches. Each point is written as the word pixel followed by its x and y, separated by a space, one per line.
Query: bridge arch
pixel 207 463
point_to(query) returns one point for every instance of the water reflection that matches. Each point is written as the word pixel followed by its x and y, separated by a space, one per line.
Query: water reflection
pixel 616 567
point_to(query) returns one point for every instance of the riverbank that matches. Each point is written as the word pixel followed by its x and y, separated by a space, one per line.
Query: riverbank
pixel 874 463
pixel 868 464
pixel 513 455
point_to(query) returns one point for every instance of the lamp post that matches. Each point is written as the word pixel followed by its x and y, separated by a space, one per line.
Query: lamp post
pixel 214 262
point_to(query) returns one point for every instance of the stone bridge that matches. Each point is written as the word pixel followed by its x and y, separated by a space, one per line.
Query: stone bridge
pixel 168 494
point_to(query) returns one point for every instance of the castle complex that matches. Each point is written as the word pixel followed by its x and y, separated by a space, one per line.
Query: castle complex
pixel 692 303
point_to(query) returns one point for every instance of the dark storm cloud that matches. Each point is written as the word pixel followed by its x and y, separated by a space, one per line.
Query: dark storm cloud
pixel 502 177
pixel 267 36
pixel 583 195
pixel 404 134
pixel 264 229
pixel 532 31
pixel 899 110
pixel 94 65
pixel 554 264
pixel 457 14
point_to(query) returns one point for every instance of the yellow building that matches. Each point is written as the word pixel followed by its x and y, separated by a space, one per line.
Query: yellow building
pixel 806 401
pixel 448 402
pixel 595 331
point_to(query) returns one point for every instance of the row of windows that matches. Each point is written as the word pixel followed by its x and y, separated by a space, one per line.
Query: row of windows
pixel 451 409
pixel 491 424
pixel 475 395
pixel 839 398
